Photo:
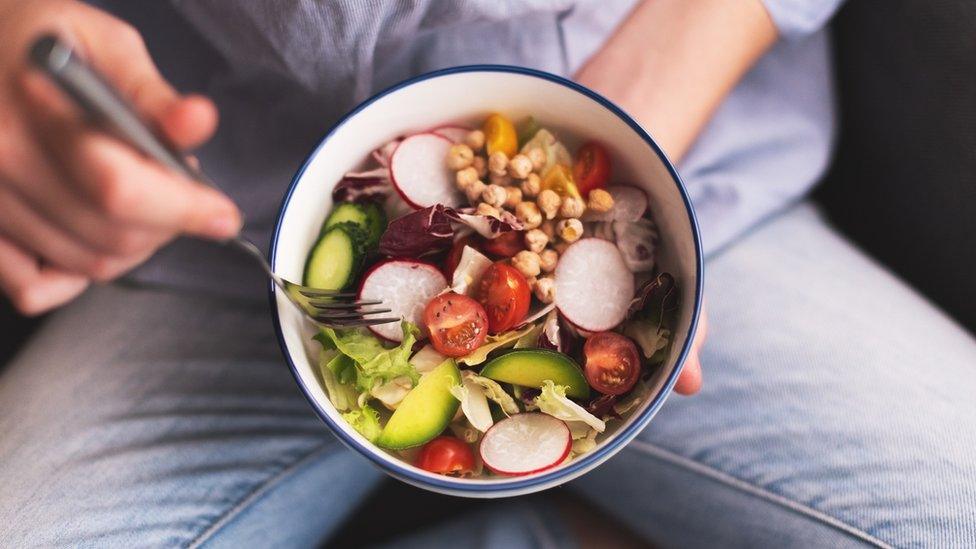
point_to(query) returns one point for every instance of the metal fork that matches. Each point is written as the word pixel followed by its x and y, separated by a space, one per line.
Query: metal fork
pixel 101 102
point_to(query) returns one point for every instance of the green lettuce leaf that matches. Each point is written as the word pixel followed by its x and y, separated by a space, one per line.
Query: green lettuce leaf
pixel 374 363
pixel 554 402
pixel 342 394
pixel 366 420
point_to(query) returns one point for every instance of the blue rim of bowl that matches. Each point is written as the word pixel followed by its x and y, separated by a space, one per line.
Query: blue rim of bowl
pixel 581 464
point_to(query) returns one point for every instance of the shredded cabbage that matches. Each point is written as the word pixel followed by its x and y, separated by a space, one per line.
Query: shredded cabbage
pixel 392 392
pixel 554 402
pixel 492 343
pixel 468 272
pixel 474 404
pixel 493 390
pixel 426 359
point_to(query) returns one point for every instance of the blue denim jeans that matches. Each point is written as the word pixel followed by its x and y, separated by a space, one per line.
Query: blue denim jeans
pixel 839 408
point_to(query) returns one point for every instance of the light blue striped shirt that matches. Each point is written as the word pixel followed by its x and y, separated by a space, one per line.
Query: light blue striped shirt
pixel 283 72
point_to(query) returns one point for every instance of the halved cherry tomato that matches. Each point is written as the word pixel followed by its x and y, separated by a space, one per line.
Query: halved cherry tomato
pixel 446 456
pixel 457 324
pixel 560 179
pixel 500 135
pixel 457 249
pixel 505 294
pixel 504 245
pixel 612 363
pixel 592 167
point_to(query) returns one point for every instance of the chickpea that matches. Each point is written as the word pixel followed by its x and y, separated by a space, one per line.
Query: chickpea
pixel 494 195
pixel 536 240
pixel 474 190
pixel 538 158
pixel 549 227
pixel 527 263
pixel 502 180
pixel 570 230
pixel 548 260
pixel 600 201
pixel 498 163
pixel 545 289
pixel 519 166
pixel 481 165
pixel 459 156
pixel 571 207
pixel 466 177
pixel 528 213
pixel 549 202
pixel 487 209
pixel 531 186
pixel 514 197
pixel 475 140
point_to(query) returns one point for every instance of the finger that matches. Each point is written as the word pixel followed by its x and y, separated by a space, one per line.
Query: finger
pixel 34 234
pixel 690 380
pixel 190 121
pixel 120 183
pixel 34 289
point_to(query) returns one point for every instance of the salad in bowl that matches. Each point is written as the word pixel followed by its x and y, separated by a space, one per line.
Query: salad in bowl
pixel 541 260
pixel 531 310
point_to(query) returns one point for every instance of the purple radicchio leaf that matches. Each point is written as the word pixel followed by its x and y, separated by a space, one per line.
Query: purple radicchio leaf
pixel 382 155
pixel 549 337
pixel 655 299
pixel 602 406
pixel 419 233
pixel 372 185
pixel 486 225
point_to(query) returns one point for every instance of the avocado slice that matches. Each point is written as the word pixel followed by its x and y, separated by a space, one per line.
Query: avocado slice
pixel 531 367
pixel 425 411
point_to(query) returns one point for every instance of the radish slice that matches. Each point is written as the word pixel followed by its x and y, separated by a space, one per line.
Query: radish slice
pixel 526 443
pixel 405 287
pixel 629 204
pixel 594 287
pixel 420 174
pixel 455 133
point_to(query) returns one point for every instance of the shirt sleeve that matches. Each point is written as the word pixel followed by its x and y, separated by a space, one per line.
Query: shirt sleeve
pixel 798 18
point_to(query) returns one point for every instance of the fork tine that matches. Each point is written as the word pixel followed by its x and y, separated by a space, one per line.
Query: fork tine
pixel 327 316
pixel 340 305
pixel 358 323
pixel 313 292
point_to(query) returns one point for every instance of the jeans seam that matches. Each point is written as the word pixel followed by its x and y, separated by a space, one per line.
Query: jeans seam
pixel 255 495
pixel 655 451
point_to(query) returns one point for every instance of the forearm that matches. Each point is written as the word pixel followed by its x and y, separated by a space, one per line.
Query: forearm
pixel 672 62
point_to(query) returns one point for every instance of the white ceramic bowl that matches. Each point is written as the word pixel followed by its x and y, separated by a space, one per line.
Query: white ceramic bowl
pixel 469 94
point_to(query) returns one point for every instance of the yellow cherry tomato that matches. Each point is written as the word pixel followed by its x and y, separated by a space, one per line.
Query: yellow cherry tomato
pixel 559 178
pixel 500 135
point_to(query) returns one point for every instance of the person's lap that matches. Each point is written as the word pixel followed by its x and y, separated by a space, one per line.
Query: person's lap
pixel 834 398
pixel 837 409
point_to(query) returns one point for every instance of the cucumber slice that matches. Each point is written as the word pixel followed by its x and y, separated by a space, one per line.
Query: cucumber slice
pixel 336 258
pixel 367 216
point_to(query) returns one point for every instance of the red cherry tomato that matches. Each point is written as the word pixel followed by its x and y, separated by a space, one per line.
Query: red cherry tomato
pixel 457 324
pixel 504 245
pixel 454 256
pixel 591 170
pixel 446 456
pixel 505 294
pixel 612 363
